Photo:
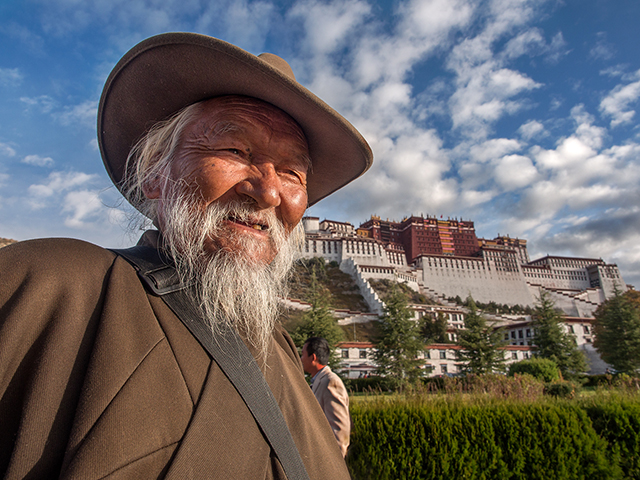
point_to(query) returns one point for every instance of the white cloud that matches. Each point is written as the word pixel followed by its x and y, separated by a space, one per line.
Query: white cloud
pixel 570 152
pixel 10 77
pixel 485 96
pixel 37 160
pixel 24 35
pixel 44 102
pixel 434 19
pixel 84 113
pixel 557 49
pixel 515 171
pixel 494 148
pixel 64 17
pixel 528 42
pixel 618 103
pixel 487 88
pixel 423 27
pixel 84 206
pixel 7 150
pixel 329 24
pixel 531 130
pixel 56 183
pixel 241 22
pixel 603 49
pixel 474 197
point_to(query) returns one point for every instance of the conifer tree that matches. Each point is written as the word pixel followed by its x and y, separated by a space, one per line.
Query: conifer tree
pixel 398 341
pixel 480 342
pixel 617 331
pixel 319 320
pixel 434 330
pixel 552 341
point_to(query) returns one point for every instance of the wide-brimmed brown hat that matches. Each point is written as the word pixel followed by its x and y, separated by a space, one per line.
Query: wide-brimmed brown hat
pixel 163 74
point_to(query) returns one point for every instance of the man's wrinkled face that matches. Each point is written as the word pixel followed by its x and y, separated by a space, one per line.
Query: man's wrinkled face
pixel 243 150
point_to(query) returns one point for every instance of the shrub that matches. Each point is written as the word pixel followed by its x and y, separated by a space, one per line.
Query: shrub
pixel 492 385
pixel 605 380
pixel 370 384
pixel 618 422
pixel 541 368
pixel 560 389
pixel 456 440
pixel 626 382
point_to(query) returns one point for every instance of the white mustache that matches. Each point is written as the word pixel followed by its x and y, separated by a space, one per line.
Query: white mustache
pixel 231 287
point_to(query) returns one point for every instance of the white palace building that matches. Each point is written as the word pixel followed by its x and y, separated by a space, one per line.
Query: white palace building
pixel 444 259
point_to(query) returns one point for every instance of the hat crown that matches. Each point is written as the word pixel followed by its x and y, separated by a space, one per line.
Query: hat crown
pixel 278 63
pixel 165 73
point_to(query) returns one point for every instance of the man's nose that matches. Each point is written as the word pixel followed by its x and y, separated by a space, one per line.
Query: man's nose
pixel 262 184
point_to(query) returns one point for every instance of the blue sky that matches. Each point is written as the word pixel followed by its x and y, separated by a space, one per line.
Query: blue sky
pixel 518 114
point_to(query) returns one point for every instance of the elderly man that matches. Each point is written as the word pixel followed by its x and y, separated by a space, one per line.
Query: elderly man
pixel 103 374
pixel 328 389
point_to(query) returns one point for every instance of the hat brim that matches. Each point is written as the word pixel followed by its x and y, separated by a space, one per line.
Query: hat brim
pixel 163 74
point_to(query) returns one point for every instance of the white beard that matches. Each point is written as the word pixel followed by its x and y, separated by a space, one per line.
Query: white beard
pixel 232 288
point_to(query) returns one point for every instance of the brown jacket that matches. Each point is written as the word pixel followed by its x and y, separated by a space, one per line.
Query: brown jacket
pixel 99 379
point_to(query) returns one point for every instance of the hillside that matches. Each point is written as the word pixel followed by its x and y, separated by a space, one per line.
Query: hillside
pixel 383 289
pixel 343 293
pixel 6 241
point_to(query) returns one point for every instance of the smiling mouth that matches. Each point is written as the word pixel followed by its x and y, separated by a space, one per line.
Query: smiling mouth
pixel 255 225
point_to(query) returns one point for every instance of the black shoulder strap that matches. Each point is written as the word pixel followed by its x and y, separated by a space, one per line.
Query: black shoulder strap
pixel 228 351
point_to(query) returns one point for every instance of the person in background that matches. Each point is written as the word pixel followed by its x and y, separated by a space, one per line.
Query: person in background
pixel 328 388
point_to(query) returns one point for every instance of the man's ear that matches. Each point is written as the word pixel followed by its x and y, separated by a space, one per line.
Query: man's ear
pixel 152 189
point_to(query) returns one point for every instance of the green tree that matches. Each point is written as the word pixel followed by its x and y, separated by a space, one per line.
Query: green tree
pixel 552 341
pixel 319 320
pixel 434 330
pixel 398 340
pixel 617 331
pixel 480 344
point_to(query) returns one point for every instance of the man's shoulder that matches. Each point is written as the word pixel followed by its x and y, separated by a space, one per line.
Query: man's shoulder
pixel 284 340
pixel 55 257
pixel 51 247
pixel 332 377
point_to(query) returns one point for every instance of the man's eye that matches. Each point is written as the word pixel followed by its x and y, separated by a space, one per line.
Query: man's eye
pixel 235 151
pixel 295 175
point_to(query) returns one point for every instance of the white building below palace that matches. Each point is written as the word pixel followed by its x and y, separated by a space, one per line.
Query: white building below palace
pixel 438 359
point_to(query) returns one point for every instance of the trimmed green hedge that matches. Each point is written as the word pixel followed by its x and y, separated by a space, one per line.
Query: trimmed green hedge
pixel 618 422
pixel 498 440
